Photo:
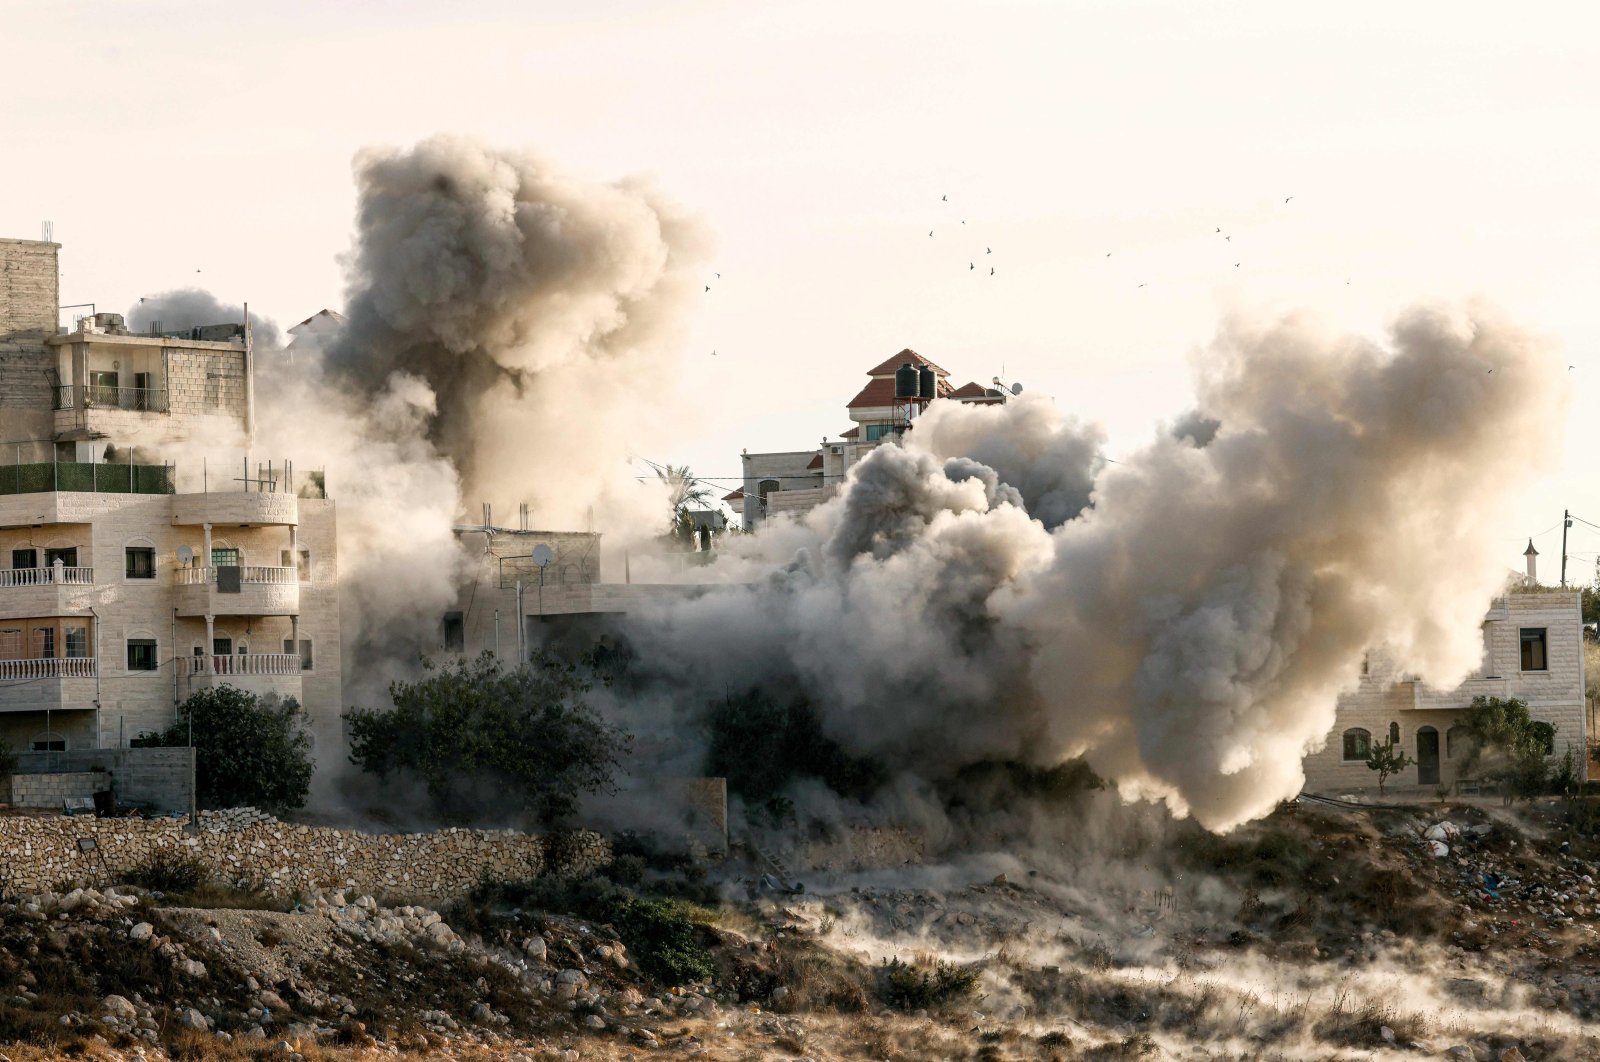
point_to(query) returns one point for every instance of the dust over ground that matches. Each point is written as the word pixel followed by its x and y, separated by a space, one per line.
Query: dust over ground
pixel 1319 933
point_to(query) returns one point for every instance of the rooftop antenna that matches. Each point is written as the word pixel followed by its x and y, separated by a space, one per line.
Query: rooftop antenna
pixel 47 231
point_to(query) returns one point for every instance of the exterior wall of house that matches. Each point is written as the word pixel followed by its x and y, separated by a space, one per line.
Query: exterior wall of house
pixel 29 297
pixel 787 468
pixel 1387 695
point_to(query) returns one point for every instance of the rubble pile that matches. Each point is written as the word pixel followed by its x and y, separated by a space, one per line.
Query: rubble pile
pixel 248 848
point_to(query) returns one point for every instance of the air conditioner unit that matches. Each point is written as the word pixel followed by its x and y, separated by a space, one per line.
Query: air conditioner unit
pixel 836 449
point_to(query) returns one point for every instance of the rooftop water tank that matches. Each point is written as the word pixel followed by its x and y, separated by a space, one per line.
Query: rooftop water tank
pixel 905 381
pixel 927 383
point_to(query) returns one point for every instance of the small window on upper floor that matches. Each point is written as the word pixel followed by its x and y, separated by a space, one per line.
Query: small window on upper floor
pixel 455 632
pixel 142 654
pixel 53 744
pixel 1394 733
pixel 1357 744
pixel 139 562
pixel 1533 649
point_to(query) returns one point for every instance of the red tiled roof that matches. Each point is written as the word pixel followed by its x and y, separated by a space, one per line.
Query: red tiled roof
pixel 880 392
pixel 852 433
pixel 737 495
pixel 816 462
pixel 976 390
pixel 900 359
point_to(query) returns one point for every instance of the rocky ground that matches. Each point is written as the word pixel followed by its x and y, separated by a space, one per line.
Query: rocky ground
pixel 1324 932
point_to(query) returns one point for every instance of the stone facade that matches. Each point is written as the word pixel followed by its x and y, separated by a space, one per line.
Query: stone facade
pixel 231 580
pixel 248 849
pixel 1387 697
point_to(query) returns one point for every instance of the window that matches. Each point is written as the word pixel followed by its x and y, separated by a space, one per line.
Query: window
pixel 455 632
pixel 769 486
pixel 302 565
pixel 24 558
pixel 77 640
pixel 48 744
pixel 1533 654
pixel 141 654
pixel 10 643
pixel 305 651
pixel 1394 733
pixel 221 646
pixel 224 557
pixel 44 642
pixel 139 562
pixel 882 431
pixel 1357 744
pixel 67 555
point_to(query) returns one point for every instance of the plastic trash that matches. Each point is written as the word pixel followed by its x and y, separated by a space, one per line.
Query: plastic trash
pixel 1443 831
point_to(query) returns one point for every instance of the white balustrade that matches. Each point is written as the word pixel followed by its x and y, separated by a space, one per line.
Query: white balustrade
pixel 248 664
pixel 46 576
pixel 49 667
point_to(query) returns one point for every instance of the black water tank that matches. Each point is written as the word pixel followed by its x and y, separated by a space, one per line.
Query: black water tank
pixel 905 381
pixel 927 383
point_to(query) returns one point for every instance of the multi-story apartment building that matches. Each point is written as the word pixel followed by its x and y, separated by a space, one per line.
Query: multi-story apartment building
pixel 796 480
pixel 128 577
pixel 1532 650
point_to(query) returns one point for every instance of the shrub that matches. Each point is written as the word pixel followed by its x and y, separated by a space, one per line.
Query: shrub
pixel 167 870
pixel 1387 760
pixel 249 750
pixel 1507 746
pixel 926 986
pixel 485 739
pixel 760 744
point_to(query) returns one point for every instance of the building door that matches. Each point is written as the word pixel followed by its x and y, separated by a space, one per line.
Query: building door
pixel 68 556
pixel 103 388
pixel 1427 756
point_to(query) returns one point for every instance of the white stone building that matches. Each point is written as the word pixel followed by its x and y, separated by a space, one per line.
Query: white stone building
pixel 796 480
pixel 1532 650
pixel 120 595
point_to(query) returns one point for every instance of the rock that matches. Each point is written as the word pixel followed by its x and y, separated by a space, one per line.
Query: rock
pixel 1387 1034
pixel 570 977
pixel 118 1007
pixel 192 968
pixel 1511 1054
pixel 535 948
pixel 595 1021
pixel 272 1001
pixel 190 1018
pixel 142 931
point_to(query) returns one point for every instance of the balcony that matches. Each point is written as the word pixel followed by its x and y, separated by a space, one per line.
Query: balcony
pixel 45 591
pixel 46 576
pixel 260 673
pixel 249 590
pixel 44 477
pixel 95 396
pixel 1426 698
pixel 48 668
pixel 237 507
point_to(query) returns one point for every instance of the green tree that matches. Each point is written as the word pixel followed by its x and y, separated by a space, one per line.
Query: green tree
pixel 1387 760
pixel 1508 746
pixel 486 740
pixel 248 749
pixel 684 492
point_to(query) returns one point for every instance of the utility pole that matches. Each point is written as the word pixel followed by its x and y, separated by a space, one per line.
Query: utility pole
pixel 1566 522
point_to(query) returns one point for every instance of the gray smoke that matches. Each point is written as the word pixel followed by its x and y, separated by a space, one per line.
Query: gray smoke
pixel 185 308
pixel 542 311
pixel 1182 620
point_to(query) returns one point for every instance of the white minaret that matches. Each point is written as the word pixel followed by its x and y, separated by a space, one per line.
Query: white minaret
pixel 1532 557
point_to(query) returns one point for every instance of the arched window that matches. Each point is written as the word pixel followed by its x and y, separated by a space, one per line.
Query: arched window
pixel 142 651
pixel 769 486
pixel 1357 744
pixel 48 741
pixel 1394 733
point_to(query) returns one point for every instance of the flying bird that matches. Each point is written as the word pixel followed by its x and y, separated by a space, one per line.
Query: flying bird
pixel 1288 198
pixel 1108 254
pixel 708 287
pixel 1141 285
pixel 1491 370
pixel 1219 230
pixel 944 199
pixel 719 276
pixel 1236 265
pixel 991 271
pixel 971 266
pixel 988 250
pixel 1228 238
pixel 1571 367
pixel 930 232
pixel 713 353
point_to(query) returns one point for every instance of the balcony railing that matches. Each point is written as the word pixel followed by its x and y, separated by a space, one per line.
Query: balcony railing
pixel 46 576
pixel 48 667
pixel 249 573
pixel 95 396
pixel 248 664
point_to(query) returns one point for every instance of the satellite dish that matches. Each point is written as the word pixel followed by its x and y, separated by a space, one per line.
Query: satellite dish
pixel 185 555
pixel 1016 389
pixel 543 555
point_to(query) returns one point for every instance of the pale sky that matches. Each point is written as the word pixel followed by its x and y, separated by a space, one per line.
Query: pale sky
pixel 1433 150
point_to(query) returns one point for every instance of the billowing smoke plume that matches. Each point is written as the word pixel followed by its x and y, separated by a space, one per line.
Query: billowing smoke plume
pixel 1183 619
pixel 542 311
pixel 185 308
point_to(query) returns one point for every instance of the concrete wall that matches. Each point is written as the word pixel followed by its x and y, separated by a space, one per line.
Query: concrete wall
pixel 53 790
pixel 159 777
pixel 281 858
pixel 1388 694
pixel 202 381
pixel 788 468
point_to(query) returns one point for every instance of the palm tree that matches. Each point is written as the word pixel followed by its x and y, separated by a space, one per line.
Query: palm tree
pixel 684 493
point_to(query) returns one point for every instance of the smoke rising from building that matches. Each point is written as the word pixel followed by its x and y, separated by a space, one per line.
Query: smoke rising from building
pixel 1186 624
pixel 184 308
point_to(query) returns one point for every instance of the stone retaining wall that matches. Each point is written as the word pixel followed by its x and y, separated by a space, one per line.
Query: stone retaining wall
pixel 278 857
